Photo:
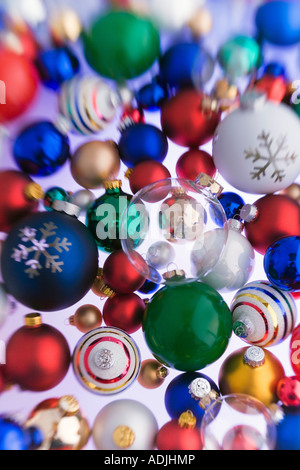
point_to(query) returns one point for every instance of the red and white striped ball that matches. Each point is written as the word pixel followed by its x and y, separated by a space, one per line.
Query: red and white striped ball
pixel 263 315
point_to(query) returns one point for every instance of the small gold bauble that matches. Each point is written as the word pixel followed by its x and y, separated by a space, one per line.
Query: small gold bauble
pixel 95 162
pixel 152 374
pixel 86 318
pixel 123 437
pixel 201 23
pixel 65 25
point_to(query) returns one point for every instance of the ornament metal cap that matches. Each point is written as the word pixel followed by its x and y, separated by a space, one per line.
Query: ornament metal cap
pixel 66 208
pixel 33 319
pixel 34 192
pixel 123 437
pixel 174 275
pixel 254 356
pixel 69 405
pixel 253 100
pixel 209 183
pixel 187 420
pixel 235 225
pixel 112 184
pixel 248 212
pixel 242 328
pixel 199 388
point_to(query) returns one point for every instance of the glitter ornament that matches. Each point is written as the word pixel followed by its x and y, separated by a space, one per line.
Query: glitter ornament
pixel 263 315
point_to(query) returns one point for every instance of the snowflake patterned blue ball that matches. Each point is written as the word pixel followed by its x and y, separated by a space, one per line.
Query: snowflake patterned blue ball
pixel 282 264
pixel 49 261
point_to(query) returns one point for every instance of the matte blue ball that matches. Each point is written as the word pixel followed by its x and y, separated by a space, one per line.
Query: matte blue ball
pixel 12 436
pixel 231 203
pixel 49 261
pixel 185 65
pixel 282 264
pixel 178 399
pixel 56 66
pixel 279 22
pixel 288 431
pixel 41 149
pixel 141 142
pixel 151 96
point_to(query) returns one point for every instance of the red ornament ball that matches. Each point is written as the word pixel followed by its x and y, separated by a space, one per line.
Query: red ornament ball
pixel 124 311
pixel 173 437
pixel 186 122
pixel 21 83
pixel 37 356
pixel 296 295
pixel 242 437
pixel 278 217
pixel 288 391
pixel 194 162
pixel 145 173
pixel 15 199
pixel 273 87
pixel 295 351
pixel 120 275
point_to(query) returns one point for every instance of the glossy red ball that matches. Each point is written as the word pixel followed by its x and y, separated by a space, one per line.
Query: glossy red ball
pixel 296 295
pixel 120 274
pixel 37 358
pixel 14 204
pixel 295 351
pixel 194 162
pixel 288 391
pixel 124 311
pixel 274 87
pixel 184 120
pixel 278 217
pixel 145 173
pixel 21 84
pixel 173 437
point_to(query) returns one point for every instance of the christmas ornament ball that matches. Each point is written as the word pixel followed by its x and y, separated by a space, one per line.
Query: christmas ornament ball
pixel 288 392
pixel 263 315
pixel 294 351
pixel 124 311
pixel 21 84
pixel 251 371
pixel 152 374
pixel 14 437
pixel 263 158
pixel 273 22
pixel 95 162
pixel 86 318
pixel 37 356
pixel 19 197
pixel 174 436
pixel 281 263
pixel 193 162
pixel 49 252
pixel 197 332
pixel 120 274
pixel 278 216
pixel 145 173
pixel 288 431
pixel 125 425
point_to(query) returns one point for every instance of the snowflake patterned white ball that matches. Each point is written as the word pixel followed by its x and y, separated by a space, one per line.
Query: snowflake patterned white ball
pixel 256 148
pixel 49 260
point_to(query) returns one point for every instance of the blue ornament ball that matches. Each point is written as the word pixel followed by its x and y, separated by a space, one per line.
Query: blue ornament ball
pixel 282 263
pixel 179 394
pixel 275 69
pixel 186 64
pixel 288 431
pixel 141 142
pixel 14 437
pixel 149 287
pixel 49 261
pixel 41 149
pixel 56 66
pixel 151 96
pixel 231 203
pixel 278 22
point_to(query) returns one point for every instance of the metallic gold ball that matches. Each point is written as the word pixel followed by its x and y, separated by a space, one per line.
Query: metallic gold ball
pixel 86 318
pixel 65 25
pixel 260 382
pixel 201 23
pixel 95 162
pixel 293 191
pixel 152 374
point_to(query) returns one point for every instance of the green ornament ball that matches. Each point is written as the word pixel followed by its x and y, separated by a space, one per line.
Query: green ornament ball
pixel 187 326
pixel 121 46
pixel 239 56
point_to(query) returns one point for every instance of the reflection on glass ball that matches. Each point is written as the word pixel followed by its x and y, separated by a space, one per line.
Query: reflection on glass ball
pixel 238 422
pixel 177 237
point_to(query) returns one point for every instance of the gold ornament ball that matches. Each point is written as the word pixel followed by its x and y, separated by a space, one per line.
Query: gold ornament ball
pixel 86 318
pixel 152 374
pixel 260 381
pixel 65 25
pixel 201 23
pixel 293 191
pixel 95 162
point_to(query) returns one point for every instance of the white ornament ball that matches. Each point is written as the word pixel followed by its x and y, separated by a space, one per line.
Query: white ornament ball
pixel 160 254
pixel 235 265
pixel 125 425
pixel 263 315
pixel 256 148
pixel 83 199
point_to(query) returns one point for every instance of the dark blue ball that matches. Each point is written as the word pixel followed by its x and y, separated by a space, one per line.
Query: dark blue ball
pixel 141 142
pixel 149 287
pixel 151 96
pixel 49 261
pixel 41 149
pixel 275 69
pixel 56 66
pixel 288 431
pixel 183 65
pixel 279 22
pixel 178 399
pixel 232 203
pixel 12 436
pixel 282 264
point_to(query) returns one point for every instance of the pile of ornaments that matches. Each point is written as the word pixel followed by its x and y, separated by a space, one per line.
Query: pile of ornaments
pixel 163 255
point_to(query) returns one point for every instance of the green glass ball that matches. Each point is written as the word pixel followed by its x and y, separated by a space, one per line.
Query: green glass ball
pixel 187 326
pixel 54 194
pixel 121 46
pixel 239 56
